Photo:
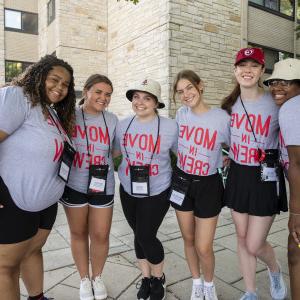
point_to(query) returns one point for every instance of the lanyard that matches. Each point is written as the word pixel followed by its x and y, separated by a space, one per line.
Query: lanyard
pixel 86 136
pixel 158 128
pixel 51 111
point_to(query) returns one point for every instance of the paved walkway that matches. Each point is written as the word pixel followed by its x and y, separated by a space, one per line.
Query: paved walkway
pixel 121 273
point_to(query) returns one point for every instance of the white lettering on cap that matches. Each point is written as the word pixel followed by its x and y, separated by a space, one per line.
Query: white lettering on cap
pixel 248 52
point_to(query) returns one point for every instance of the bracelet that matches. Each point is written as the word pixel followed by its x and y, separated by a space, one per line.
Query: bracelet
pixel 294 214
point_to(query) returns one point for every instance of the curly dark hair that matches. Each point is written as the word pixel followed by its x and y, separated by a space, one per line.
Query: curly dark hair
pixel 32 80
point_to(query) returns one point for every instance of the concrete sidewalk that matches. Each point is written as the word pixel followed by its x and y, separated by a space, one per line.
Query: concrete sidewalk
pixel 121 273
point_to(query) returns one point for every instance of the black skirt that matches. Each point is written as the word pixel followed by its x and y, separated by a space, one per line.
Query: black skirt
pixel 246 193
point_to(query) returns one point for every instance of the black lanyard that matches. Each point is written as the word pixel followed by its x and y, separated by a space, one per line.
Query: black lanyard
pixel 86 136
pixel 158 128
pixel 63 136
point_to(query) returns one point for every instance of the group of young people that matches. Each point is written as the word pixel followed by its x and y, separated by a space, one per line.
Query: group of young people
pixel 52 150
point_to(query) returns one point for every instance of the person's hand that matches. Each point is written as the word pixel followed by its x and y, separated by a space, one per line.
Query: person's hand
pixel 294 227
pixel 1 206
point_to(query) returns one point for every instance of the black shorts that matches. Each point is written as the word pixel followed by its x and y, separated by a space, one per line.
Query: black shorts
pixel 72 198
pixel 245 193
pixel 18 225
pixel 204 196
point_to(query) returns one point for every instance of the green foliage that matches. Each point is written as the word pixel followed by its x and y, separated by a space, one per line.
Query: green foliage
pixel 117 161
pixel 133 1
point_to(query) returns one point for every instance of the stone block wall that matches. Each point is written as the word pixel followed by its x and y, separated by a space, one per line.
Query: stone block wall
pixel 204 36
pixel 138 46
pixel 2 49
pixel 78 34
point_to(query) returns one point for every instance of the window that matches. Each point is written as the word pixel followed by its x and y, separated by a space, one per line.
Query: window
pixel 272 56
pixel 51 11
pixel 284 7
pixel 21 21
pixel 14 68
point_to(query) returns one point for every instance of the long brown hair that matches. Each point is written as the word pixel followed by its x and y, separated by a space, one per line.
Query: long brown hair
pixel 33 79
pixel 94 79
pixel 189 75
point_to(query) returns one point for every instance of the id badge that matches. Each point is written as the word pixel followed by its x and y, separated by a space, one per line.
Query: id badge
pixel 139 178
pixel 97 179
pixel 66 161
pixel 179 188
pixel 269 172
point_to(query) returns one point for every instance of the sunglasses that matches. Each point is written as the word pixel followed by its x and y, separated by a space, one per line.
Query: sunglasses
pixel 282 83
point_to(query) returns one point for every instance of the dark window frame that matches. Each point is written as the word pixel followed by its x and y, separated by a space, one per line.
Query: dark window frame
pixel 25 64
pixel 22 30
pixel 273 11
pixel 269 71
pixel 50 18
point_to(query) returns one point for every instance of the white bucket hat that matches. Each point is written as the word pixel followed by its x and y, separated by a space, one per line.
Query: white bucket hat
pixel 287 69
pixel 149 86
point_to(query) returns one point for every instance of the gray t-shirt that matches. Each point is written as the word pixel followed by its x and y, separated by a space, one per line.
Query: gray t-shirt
pixel 200 140
pixel 140 141
pixel 29 156
pixel 263 114
pixel 289 121
pixel 98 140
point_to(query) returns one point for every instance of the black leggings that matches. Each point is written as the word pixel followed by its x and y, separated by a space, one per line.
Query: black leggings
pixel 145 215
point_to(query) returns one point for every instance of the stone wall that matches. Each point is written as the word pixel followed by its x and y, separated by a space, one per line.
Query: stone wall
pixel 78 34
pixel 23 5
pixel 138 46
pixel 2 50
pixel 204 36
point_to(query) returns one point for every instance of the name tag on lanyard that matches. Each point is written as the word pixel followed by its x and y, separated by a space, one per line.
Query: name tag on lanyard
pixel 66 161
pixel 97 179
pixel 139 178
pixel 179 188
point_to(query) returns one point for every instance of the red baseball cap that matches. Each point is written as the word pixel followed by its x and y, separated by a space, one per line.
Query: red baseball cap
pixel 256 54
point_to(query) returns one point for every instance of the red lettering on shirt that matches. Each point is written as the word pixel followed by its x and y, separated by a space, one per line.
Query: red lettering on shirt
pixel 59 147
pixel 259 127
pixel 143 142
pixel 192 165
pixel 200 136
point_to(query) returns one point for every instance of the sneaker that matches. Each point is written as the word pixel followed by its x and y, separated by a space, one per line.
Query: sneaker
pixel 210 292
pixel 99 288
pixel 278 289
pixel 86 292
pixel 144 288
pixel 158 288
pixel 197 292
pixel 249 296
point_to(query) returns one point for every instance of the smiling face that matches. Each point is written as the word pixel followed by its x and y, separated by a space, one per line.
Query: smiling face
pixel 188 94
pixel 284 90
pixel 248 73
pixel 97 98
pixel 144 104
pixel 57 84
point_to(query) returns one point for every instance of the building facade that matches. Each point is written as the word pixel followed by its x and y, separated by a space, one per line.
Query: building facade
pixel 153 38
